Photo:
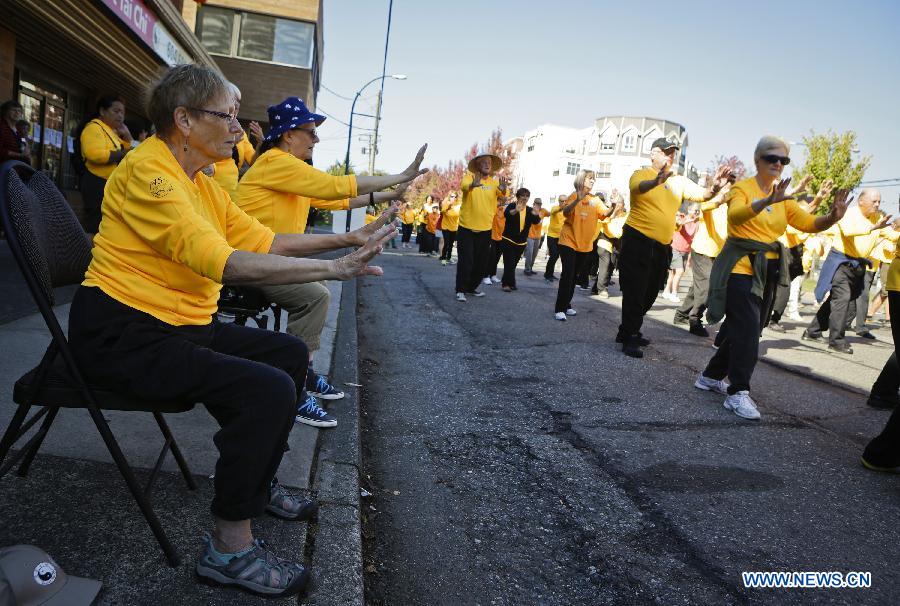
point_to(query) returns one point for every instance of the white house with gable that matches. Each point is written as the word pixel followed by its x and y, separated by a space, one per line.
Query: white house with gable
pixel 614 147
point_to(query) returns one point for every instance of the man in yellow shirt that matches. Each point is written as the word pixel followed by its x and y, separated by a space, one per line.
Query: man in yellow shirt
pixel 554 227
pixel 656 195
pixel 481 194
pixel 843 271
pixel 705 247
pixel 535 239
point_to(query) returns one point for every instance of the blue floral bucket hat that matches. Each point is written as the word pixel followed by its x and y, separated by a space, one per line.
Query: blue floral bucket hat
pixel 288 115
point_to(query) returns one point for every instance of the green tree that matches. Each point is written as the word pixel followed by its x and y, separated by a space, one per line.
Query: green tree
pixel 830 156
pixel 337 169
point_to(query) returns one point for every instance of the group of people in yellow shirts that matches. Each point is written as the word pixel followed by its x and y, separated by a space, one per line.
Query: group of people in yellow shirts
pixel 748 260
pixel 435 225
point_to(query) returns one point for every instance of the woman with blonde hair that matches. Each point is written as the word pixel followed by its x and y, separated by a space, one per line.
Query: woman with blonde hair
pixel 751 263
pixel 582 210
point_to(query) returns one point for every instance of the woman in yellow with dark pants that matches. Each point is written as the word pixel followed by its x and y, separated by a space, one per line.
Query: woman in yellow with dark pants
pixel 103 143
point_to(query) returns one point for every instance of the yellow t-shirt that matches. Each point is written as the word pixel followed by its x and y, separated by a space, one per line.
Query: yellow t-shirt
pixel 164 239
pixel 653 213
pixel 893 277
pixel 612 229
pixel 768 225
pixel 408 215
pixel 854 236
pixel 535 230
pixel 279 189
pixel 712 232
pixel 479 204
pixel 498 223
pixel 370 218
pixel 226 171
pixel 451 218
pixel 556 222
pixel 97 141
pixel 581 224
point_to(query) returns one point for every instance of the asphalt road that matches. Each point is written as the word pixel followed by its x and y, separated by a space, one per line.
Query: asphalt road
pixel 515 459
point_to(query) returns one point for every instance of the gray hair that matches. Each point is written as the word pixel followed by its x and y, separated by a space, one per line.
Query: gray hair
pixel 580 177
pixel 768 143
pixel 182 86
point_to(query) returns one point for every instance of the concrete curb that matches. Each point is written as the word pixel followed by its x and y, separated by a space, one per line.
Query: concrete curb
pixel 336 542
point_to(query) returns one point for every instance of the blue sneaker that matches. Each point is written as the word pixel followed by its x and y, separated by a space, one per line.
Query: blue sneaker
pixel 325 390
pixel 310 413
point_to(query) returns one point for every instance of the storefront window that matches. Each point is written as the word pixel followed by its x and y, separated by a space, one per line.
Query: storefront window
pixel 257 37
pixel 52 125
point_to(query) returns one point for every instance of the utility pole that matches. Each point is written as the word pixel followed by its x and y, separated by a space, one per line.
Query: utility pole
pixel 373 138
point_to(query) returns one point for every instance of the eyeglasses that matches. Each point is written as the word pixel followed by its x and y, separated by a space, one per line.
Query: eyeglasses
pixel 222 115
pixel 309 131
pixel 772 159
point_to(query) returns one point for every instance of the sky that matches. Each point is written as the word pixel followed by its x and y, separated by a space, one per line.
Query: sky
pixel 728 72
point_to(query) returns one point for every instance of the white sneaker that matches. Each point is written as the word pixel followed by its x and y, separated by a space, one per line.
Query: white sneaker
pixel 477 293
pixel 486 281
pixel 560 316
pixel 461 297
pixel 742 405
pixel 706 384
pixel 795 316
pixel 571 312
pixel 495 280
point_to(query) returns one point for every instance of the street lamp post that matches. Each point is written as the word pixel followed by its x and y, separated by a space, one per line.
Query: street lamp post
pixel 350 126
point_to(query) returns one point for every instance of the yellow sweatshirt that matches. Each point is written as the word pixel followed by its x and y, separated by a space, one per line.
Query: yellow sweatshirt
pixel 479 203
pixel 164 239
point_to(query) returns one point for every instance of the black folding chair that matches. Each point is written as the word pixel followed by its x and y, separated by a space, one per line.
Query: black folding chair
pixel 248 303
pixel 51 249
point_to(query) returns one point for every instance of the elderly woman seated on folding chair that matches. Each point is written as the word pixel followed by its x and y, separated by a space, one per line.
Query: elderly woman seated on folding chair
pixel 142 321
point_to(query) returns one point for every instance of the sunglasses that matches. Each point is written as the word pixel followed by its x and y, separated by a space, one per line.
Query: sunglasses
pixel 222 115
pixel 309 131
pixel 772 159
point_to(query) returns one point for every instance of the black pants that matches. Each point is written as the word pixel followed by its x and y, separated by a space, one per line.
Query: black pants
pixel 249 379
pixel 572 263
pixel 553 249
pixel 589 267
pixel 694 303
pixel 511 255
pixel 783 293
pixel 473 250
pixel 738 339
pixel 884 450
pixel 449 239
pixel 494 259
pixel 407 232
pixel 859 307
pixel 91 187
pixel 426 241
pixel 643 268
pixel 846 285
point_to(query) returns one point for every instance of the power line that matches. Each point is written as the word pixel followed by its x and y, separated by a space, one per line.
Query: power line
pixel 336 94
pixel 319 109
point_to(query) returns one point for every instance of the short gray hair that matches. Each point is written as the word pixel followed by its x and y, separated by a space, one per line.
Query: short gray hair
pixel 768 143
pixel 580 177
pixel 182 86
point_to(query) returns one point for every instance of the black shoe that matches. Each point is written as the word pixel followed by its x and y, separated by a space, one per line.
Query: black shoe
pixel 866 335
pixel 631 347
pixel 642 341
pixel 776 327
pixel 808 336
pixel 841 348
pixel 888 401
pixel 697 329
pixel 678 319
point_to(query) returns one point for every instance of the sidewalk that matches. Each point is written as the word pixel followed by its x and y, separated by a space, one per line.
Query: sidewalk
pixel 75 505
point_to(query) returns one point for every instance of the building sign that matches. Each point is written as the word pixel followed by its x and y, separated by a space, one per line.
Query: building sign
pixel 143 22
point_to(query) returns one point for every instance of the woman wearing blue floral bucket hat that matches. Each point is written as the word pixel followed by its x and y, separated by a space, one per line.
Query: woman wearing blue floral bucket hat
pixel 278 190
